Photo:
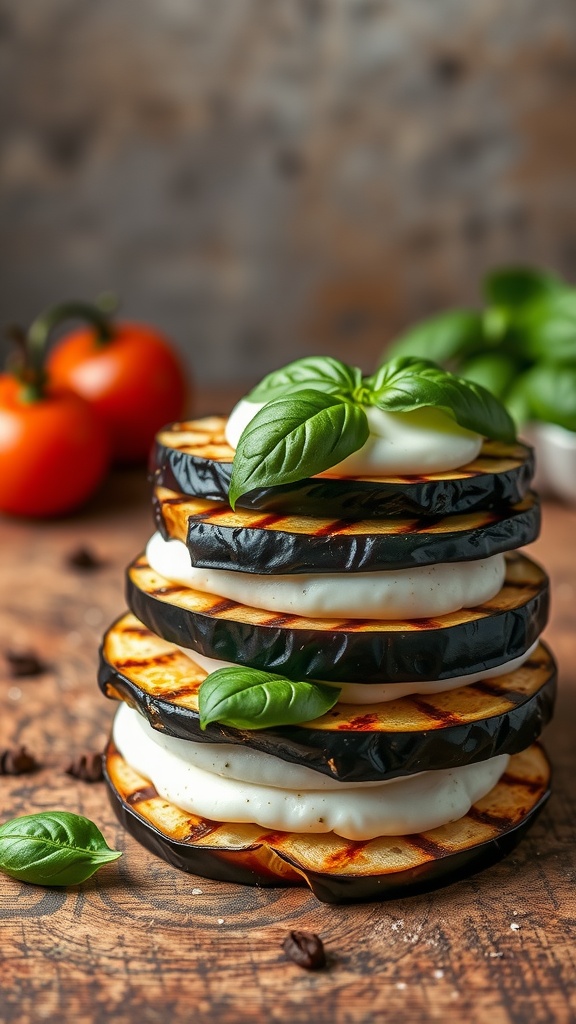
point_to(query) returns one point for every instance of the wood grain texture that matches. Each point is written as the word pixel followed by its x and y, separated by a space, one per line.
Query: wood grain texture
pixel 140 941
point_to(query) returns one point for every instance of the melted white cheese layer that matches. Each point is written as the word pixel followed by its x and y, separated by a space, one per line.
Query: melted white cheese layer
pixel 398 807
pixel 422 441
pixel 381 693
pixel 426 591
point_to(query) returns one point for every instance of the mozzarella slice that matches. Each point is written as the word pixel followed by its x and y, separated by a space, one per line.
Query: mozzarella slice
pixel 398 807
pixel 425 591
pixel 381 693
pixel 422 441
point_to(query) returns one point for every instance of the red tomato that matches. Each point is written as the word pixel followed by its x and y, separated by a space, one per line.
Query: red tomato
pixel 53 451
pixel 134 380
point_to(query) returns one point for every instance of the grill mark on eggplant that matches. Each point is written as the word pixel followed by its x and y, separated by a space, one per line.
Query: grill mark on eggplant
pixel 271 519
pixel 435 713
pixel 225 605
pixel 360 723
pixel 532 785
pixel 138 795
pixel 425 623
pixel 210 516
pixel 493 820
pixel 332 528
pixel 204 827
pixel 353 850
pixel 146 660
pixel 425 845
pixel 279 619
pixel 493 690
pixel 177 693
pixel 167 589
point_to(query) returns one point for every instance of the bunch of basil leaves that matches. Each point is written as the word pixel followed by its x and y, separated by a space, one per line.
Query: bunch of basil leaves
pixel 521 346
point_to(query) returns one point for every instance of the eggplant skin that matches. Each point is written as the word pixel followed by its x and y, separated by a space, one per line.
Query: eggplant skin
pixel 426 650
pixel 361 753
pixel 491 829
pixel 277 551
pixel 500 476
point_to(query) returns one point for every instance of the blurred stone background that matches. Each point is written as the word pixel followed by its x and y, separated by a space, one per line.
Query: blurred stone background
pixel 269 178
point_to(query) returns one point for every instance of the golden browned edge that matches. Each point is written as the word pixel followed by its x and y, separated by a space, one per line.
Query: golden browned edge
pixel 519 790
pixel 162 671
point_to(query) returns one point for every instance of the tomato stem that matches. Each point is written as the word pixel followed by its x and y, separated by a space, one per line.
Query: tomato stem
pixel 98 316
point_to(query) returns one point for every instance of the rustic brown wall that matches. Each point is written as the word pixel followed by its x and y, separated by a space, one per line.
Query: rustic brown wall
pixel 266 178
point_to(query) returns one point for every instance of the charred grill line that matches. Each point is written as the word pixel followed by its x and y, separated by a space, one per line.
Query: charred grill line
pixel 139 795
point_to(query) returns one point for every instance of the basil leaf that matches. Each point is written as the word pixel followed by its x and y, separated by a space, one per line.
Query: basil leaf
pixel 495 371
pixel 511 287
pixel 247 698
pixel 321 373
pixel 52 848
pixel 548 328
pixel 443 338
pixel 548 393
pixel 293 437
pixel 406 384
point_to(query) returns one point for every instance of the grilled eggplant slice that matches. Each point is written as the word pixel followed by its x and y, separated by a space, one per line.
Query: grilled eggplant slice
pixel 194 458
pixel 352 744
pixel 219 538
pixel 337 870
pixel 347 650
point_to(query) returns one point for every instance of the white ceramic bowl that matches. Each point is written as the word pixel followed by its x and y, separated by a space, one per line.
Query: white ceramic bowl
pixel 555 459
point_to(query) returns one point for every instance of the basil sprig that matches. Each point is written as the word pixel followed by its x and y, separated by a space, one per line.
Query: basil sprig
pixel 314 415
pixel 521 346
pixel 53 848
pixel 248 698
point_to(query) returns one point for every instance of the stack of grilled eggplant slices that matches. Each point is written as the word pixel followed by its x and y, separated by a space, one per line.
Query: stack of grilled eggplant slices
pixel 427 767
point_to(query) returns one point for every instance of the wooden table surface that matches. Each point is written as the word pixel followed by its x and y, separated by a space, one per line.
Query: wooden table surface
pixel 142 942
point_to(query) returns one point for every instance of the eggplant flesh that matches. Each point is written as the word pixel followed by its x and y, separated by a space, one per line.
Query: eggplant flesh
pixel 193 458
pixel 218 538
pixel 352 744
pixel 352 650
pixel 337 870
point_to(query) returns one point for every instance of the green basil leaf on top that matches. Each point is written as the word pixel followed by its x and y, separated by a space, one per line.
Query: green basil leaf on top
pixel 53 848
pixel 295 436
pixel 512 287
pixel 246 698
pixel 402 385
pixel 443 338
pixel 322 373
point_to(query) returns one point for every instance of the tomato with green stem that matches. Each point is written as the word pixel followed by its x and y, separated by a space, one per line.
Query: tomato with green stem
pixel 128 372
pixel 54 450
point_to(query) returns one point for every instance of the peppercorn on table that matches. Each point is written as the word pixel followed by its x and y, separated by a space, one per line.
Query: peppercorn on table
pixel 141 940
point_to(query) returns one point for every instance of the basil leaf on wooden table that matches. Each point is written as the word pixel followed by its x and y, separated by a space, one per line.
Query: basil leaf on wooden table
pixel 321 373
pixel 443 338
pixel 296 436
pixel 404 384
pixel 247 698
pixel 53 848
